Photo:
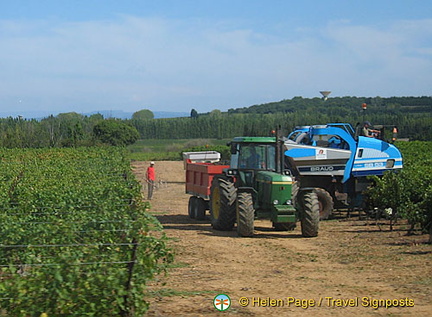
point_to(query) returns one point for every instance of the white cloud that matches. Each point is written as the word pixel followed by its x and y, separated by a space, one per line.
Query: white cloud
pixel 388 57
pixel 134 62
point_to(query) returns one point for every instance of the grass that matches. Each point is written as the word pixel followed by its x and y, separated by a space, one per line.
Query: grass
pixel 177 265
pixel 423 281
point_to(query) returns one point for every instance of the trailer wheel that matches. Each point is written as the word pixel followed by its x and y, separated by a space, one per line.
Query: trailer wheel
pixel 200 209
pixel 309 214
pixel 325 201
pixel 191 207
pixel 222 203
pixel 245 215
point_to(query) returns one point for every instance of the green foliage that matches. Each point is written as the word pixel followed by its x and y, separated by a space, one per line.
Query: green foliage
pixel 155 156
pixel 388 192
pixel 412 115
pixel 144 114
pixel 76 237
pixel 115 132
pixel 65 130
pixel 194 114
pixel 409 193
pixel 416 126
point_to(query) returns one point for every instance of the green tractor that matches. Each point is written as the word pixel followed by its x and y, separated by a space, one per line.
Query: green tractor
pixel 259 184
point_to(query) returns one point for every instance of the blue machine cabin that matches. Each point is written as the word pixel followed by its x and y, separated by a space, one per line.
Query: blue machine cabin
pixel 374 157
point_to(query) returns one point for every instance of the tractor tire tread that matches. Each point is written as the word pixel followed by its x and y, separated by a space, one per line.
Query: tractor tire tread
pixel 226 214
pixel 310 216
pixel 245 215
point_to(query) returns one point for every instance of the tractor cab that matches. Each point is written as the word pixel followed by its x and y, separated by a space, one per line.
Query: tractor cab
pixel 250 155
pixel 258 168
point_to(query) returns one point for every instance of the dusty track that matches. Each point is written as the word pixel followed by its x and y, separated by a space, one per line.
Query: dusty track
pixel 350 262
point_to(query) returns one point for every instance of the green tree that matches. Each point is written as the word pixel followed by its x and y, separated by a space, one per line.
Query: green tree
pixel 143 114
pixel 194 114
pixel 115 132
pixel 216 113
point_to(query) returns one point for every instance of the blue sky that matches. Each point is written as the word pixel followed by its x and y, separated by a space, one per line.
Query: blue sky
pixel 61 56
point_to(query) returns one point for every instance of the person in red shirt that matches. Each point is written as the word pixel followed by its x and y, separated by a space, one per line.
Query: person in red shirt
pixel 150 177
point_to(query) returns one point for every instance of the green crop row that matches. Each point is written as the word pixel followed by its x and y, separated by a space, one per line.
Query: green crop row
pixel 76 238
pixel 408 193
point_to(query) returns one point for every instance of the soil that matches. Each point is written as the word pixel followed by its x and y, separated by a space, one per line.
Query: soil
pixel 356 266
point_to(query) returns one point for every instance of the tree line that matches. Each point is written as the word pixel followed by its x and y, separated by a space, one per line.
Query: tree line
pixel 412 116
pixel 65 130
pixel 414 127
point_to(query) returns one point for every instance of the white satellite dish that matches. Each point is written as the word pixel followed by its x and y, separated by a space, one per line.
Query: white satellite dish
pixel 325 94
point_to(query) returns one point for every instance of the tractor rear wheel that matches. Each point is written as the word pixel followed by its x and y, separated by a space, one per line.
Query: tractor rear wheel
pixel 325 201
pixel 223 196
pixel 245 215
pixel 309 216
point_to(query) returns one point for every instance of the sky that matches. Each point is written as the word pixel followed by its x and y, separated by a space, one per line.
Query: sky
pixel 177 55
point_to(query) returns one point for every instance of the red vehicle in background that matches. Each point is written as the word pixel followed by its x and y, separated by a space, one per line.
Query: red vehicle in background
pixel 200 168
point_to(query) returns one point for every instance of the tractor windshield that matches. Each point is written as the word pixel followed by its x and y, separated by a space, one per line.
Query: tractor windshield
pixel 257 156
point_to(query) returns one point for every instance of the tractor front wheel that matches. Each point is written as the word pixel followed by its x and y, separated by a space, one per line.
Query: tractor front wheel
pixel 309 214
pixel 245 215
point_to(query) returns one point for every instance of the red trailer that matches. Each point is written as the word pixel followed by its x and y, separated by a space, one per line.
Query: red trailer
pixel 200 168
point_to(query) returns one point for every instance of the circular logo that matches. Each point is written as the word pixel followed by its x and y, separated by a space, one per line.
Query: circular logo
pixel 222 302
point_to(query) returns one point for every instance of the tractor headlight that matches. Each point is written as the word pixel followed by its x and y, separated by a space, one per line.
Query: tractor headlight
pixel 275 202
pixel 288 202
pixel 232 172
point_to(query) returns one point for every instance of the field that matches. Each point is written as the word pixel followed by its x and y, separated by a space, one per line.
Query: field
pixel 76 238
pixel 355 266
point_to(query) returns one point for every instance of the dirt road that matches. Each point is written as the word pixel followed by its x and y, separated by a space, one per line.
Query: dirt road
pixel 351 268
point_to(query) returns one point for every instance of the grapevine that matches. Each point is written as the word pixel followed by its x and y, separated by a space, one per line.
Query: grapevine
pixel 409 193
pixel 76 237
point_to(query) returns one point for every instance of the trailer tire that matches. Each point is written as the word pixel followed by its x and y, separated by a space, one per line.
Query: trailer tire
pixel 325 201
pixel 200 209
pixel 245 215
pixel 222 206
pixel 191 207
pixel 309 214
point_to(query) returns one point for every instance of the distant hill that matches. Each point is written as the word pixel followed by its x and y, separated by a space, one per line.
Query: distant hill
pixel 343 105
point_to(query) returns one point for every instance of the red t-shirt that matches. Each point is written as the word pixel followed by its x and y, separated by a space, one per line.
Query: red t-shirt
pixel 151 173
